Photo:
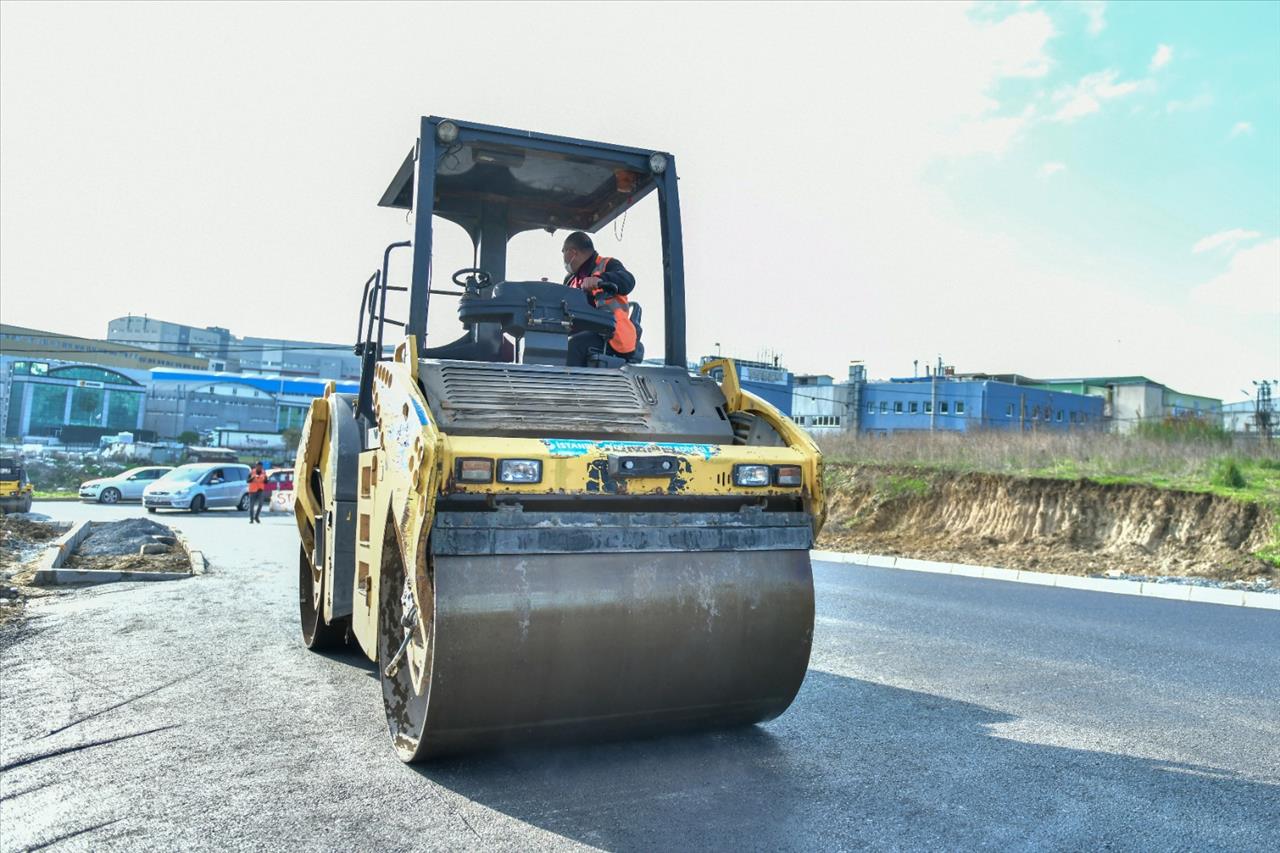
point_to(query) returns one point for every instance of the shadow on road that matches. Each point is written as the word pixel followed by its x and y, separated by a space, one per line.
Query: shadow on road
pixel 856 763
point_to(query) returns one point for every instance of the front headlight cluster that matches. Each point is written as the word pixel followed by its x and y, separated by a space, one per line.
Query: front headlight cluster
pixel 509 471
pixel 754 476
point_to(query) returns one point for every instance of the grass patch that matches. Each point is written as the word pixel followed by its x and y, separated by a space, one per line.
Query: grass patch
pixel 1167 458
pixel 1227 475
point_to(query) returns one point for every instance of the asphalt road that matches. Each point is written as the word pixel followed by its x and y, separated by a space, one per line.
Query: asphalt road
pixel 938 712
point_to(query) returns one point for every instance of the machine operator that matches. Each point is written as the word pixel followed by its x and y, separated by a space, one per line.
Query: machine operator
pixel 607 283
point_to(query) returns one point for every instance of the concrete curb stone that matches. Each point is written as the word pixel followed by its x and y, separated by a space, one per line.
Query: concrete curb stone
pixel 1171 591
pixel 49 568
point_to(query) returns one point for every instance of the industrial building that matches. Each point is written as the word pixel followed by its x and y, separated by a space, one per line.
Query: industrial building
pixel 189 401
pixel 951 403
pixel 1127 400
pixel 38 344
pixel 226 352
pixel 49 398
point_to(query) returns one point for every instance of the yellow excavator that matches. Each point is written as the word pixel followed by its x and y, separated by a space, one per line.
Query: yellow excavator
pixel 536 541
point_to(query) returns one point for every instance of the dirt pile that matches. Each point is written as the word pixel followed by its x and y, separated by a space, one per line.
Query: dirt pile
pixel 114 546
pixel 1069 526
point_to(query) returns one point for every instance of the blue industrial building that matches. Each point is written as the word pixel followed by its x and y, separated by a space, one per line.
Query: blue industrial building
pixel 944 403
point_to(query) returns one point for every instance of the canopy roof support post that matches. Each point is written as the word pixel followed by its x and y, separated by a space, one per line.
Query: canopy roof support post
pixel 423 205
pixel 672 266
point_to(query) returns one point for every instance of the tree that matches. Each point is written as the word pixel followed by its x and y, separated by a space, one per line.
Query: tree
pixel 189 437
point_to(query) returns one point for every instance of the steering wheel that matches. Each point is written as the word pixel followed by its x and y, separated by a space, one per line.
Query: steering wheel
pixel 476 277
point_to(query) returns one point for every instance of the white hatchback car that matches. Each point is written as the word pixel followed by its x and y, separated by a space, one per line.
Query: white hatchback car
pixel 127 486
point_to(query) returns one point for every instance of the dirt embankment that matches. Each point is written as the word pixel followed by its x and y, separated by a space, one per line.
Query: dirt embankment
pixel 1069 526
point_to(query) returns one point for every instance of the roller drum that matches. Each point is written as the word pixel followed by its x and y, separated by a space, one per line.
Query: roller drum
pixel 553 646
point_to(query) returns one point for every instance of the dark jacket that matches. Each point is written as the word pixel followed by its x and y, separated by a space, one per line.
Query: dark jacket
pixel 614 273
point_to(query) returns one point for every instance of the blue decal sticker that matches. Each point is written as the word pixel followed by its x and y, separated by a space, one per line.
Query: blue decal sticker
pixel 577 447
pixel 417 407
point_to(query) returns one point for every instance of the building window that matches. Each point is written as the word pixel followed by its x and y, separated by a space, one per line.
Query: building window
pixel 942 407
pixel 884 407
pixel 48 406
pixel 1047 412
pixel 1058 416
pixel 928 407
pixel 122 409
pixel 1008 410
pixel 1035 413
pixel 915 407
pixel 897 407
pixel 871 407
pixel 959 407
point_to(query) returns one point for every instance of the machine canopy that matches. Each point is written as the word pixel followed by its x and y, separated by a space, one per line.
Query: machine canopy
pixel 543 181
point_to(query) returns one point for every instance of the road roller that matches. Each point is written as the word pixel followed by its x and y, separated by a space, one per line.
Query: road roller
pixel 536 541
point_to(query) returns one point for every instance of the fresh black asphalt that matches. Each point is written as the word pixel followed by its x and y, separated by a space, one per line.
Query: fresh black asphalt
pixel 939 712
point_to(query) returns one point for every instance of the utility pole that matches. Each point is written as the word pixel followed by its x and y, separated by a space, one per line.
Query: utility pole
pixel 1262 412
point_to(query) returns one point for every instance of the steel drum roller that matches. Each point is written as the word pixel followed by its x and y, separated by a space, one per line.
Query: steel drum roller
pixel 554 646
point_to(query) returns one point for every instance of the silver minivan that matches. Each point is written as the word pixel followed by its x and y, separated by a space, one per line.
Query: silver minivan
pixel 200 486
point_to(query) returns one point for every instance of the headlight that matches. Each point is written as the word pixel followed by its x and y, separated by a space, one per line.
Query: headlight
pixel 520 471
pixel 447 132
pixel 657 163
pixel 475 470
pixel 751 475
pixel 786 475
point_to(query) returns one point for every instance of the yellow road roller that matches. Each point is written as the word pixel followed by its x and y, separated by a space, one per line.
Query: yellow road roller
pixel 537 540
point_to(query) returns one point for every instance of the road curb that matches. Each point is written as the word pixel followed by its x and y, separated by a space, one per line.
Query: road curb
pixel 1173 591
pixel 49 568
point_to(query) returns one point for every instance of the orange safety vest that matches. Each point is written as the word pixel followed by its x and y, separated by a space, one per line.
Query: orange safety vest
pixel 257 482
pixel 624 331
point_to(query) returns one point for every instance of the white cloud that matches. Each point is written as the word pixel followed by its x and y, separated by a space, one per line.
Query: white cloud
pixel 1163 54
pixel 1250 284
pixel 1087 96
pixel 1224 238
pixel 1201 101
pixel 1096 12
pixel 1241 128
pixel 1048 170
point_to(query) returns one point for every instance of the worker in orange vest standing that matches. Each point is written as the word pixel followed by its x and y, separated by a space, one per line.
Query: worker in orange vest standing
pixel 257 491
pixel 607 283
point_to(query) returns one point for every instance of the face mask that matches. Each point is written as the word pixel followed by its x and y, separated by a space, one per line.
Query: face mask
pixel 568 267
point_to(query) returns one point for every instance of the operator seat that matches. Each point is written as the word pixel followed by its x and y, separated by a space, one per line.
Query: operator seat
pixel 636 313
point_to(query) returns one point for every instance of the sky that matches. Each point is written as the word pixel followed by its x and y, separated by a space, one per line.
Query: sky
pixel 1057 190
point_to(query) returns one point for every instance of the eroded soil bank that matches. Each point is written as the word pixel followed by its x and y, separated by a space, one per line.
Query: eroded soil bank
pixel 1070 526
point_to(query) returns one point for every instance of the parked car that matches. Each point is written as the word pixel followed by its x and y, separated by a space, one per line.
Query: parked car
pixel 122 487
pixel 280 490
pixel 200 486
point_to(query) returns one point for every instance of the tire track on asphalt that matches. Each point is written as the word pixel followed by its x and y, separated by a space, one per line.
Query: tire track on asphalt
pixel 42 845
pixel 124 702
pixel 54 753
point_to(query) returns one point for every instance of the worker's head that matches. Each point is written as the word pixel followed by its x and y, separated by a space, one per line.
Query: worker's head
pixel 577 250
